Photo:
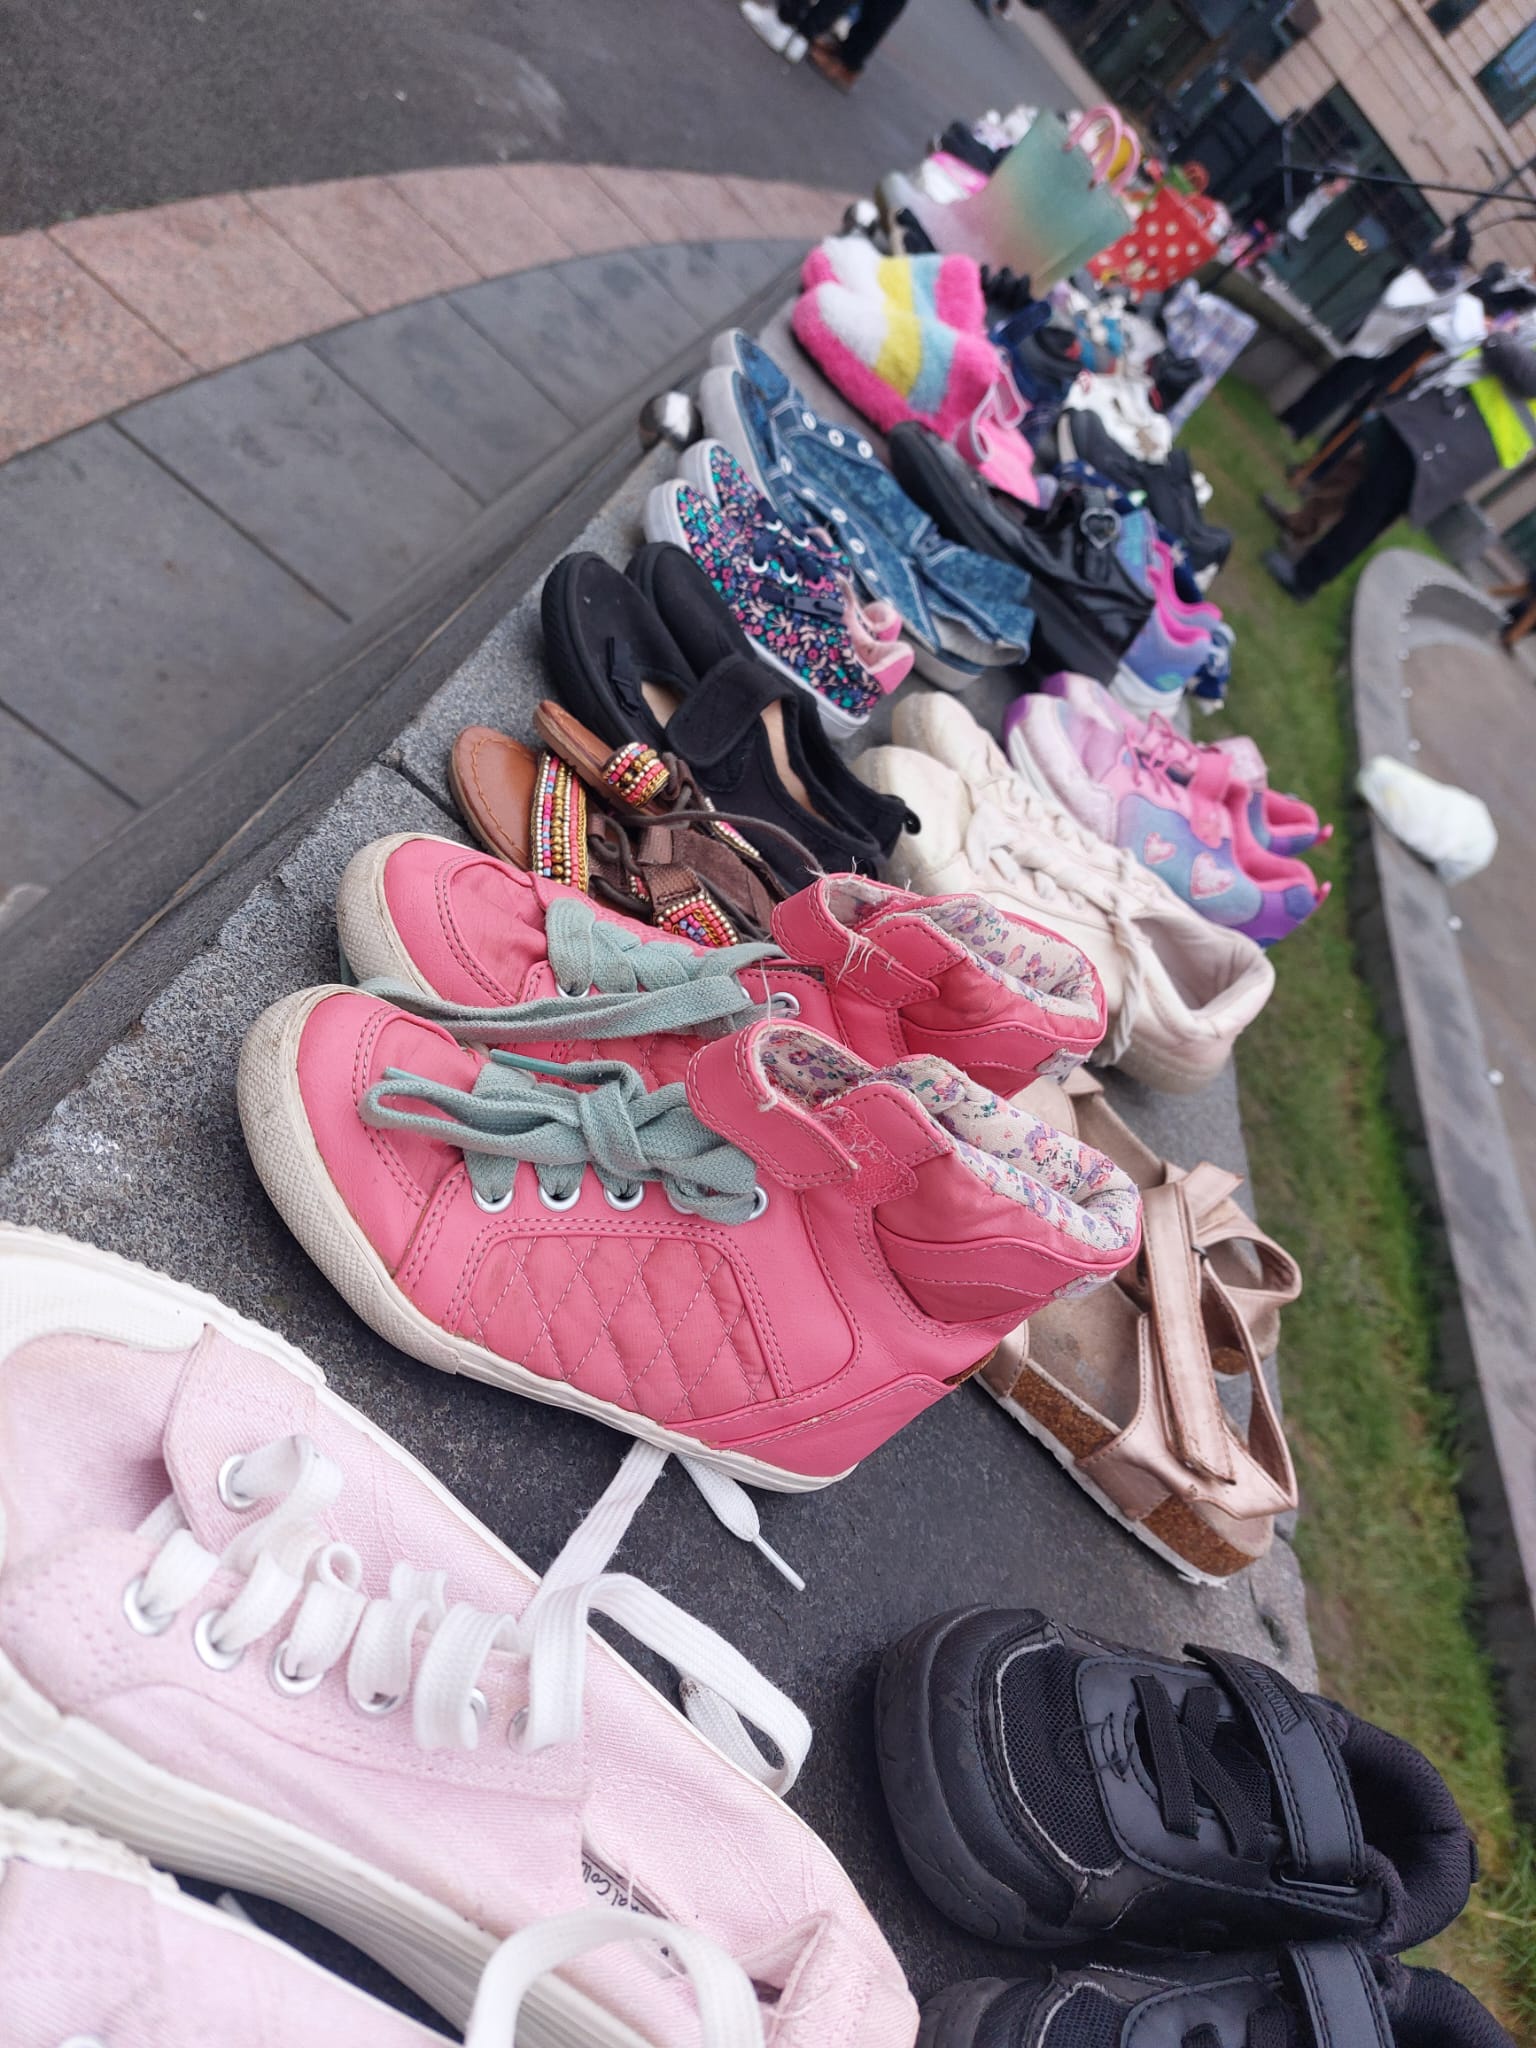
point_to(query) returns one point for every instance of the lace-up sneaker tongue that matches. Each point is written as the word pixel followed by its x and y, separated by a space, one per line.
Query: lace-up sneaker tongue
pixel 1049 1789
pixel 247 1632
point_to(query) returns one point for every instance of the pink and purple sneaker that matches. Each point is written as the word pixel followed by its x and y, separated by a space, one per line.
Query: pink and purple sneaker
pixel 1281 823
pixel 1198 841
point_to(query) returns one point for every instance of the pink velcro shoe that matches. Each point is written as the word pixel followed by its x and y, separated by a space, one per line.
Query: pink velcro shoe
pixel 770 1267
pixel 467 939
pixel 247 1634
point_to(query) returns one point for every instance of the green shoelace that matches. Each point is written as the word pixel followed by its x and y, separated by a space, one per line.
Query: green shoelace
pixel 642 985
pixel 608 1121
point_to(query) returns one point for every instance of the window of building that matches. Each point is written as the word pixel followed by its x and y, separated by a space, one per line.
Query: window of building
pixel 1449 14
pixel 1510 80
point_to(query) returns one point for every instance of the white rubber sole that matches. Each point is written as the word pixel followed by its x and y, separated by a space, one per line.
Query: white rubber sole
pixel 288 1162
pixel 62 1767
pixel 1074 1471
pixel 371 945
pixel 1129 689
pixel 663 522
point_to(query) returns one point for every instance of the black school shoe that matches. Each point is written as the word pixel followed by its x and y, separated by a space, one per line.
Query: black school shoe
pixel 1088 606
pixel 663 623
pixel 1324 1994
pixel 1048 1788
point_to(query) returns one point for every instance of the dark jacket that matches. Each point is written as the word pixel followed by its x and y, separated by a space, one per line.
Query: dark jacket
pixel 1452 449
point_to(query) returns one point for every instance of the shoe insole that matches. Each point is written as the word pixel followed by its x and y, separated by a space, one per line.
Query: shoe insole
pixel 663 702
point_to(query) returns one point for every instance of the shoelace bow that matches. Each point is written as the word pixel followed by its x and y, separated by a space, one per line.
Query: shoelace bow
pixel 597 1113
pixel 642 984
pixel 293 1570
pixel 1177 1746
pixel 991 842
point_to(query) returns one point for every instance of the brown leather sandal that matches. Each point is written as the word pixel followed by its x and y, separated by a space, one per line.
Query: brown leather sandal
pixel 1121 1386
pixel 628 825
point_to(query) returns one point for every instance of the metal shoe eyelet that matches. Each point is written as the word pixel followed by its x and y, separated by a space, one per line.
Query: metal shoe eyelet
pixel 229 1493
pixel 202 1641
pixel 516 1726
pixel 808 419
pixel 493 1208
pixel 865 450
pixel 379 1704
pixel 632 1200
pixel 759 1203
pixel 836 436
pixel 140 1619
pixel 558 1202
pixel 283 1679
pixel 784 1003
pixel 480 1707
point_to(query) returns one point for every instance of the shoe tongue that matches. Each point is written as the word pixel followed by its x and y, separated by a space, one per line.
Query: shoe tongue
pixel 231 1400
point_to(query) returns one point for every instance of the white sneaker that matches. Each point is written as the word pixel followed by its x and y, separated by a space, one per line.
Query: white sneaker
pixel 763 20
pixel 1179 989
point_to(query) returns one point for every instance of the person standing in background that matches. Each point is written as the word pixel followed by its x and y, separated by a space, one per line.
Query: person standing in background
pixel 800 28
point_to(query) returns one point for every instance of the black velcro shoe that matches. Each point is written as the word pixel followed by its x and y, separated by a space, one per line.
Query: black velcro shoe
pixel 1322 1994
pixel 1048 1788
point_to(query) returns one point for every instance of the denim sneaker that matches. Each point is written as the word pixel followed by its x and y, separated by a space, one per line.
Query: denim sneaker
pixel 964 613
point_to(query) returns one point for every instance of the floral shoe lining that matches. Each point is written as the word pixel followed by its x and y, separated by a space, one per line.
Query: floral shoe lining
pixel 1068 1185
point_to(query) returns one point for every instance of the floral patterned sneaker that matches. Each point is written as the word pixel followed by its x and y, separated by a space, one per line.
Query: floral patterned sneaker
pixel 769 1267
pixel 798 614
pixel 713 471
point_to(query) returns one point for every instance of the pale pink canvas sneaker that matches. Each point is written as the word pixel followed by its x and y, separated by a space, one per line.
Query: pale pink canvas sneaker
pixel 243 1631
pixel 886 972
pixel 100 1950
pixel 770 1267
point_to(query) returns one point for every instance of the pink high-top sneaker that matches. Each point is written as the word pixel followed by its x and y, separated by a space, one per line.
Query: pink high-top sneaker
pixel 887 972
pixel 100 1950
pixel 243 1631
pixel 770 1267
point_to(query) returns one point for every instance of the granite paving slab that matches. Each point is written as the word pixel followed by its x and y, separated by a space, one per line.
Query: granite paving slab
pixel 573 354
pixel 52 811
pixel 459 398
pixel 139 632
pixel 292 455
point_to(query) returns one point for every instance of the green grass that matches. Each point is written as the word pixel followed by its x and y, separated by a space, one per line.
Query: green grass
pixel 1381 1538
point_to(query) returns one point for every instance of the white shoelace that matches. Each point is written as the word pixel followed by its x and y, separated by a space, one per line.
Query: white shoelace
pixel 991 844
pixel 293 1571
pixel 729 2014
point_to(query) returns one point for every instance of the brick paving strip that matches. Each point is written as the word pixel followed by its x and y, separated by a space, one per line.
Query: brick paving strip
pixel 101 313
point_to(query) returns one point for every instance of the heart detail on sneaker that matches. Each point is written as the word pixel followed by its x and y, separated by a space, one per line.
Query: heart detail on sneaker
pixel 1208 877
pixel 1156 849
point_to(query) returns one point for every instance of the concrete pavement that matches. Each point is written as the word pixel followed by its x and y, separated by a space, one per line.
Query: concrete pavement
pixel 172 99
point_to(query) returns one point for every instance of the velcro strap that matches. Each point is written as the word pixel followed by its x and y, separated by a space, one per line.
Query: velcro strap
pixel 1317 1802
pixel 1196 1420
pixel 1340 1995
pixel 717 716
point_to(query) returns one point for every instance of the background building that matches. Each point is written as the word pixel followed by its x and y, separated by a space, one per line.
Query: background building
pixel 1439 91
